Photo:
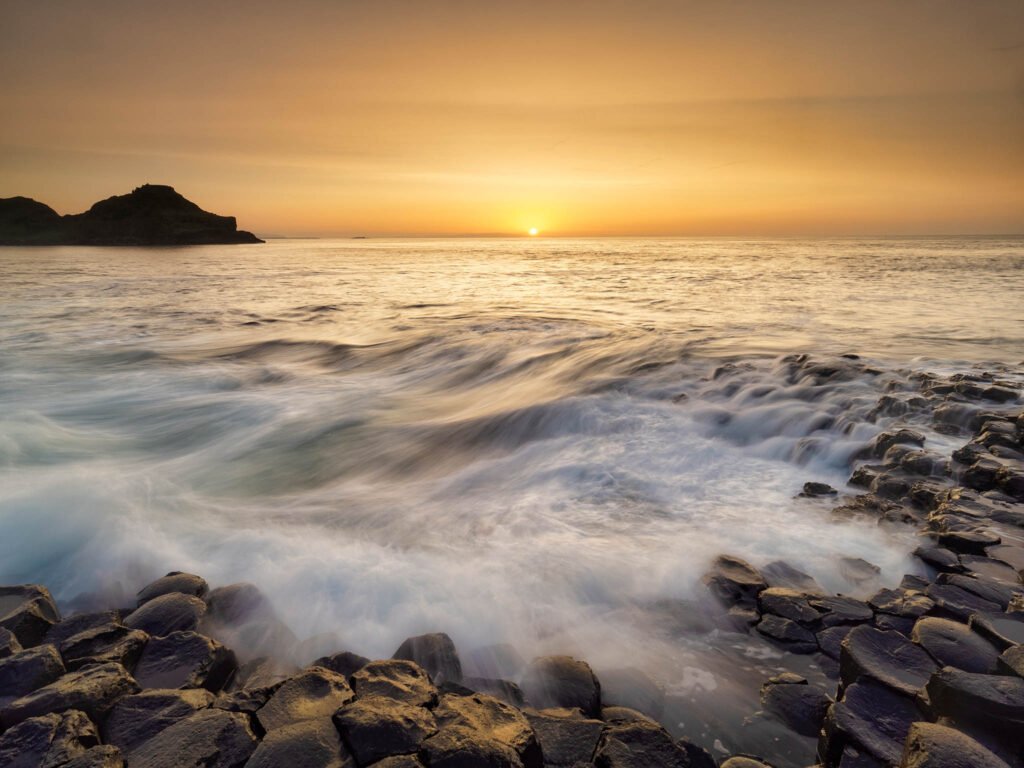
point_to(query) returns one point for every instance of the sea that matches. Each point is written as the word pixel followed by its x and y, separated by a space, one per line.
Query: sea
pixel 539 442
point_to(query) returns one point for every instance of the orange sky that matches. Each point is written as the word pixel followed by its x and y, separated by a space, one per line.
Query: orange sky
pixel 597 117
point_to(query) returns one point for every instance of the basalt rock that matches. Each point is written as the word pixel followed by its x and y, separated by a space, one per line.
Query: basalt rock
pixel 344 663
pixel 1002 629
pixel 8 643
pixel 376 727
pixel 789 604
pixel 185 660
pixel 871 718
pixel 435 653
pixel 639 745
pixel 175 581
pixel 887 658
pixel 505 690
pixel 112 642
pixel 100 756
pixel 953 644
pixel 998 592
pixel 930 745
pixel 172 612
pixel 801 707
pixel 460 747
pixel 1012 661
pixel 210 738
pixel 314 693
pixel 956 603
pixel 565 741
pixel 787 634
pixel 395 679
pixel 495 719
pixel 136 719
pixel 27 670
pixel 562 681
pixel 991 702
pixel 81 622
pixel 633 688
pixel 49 740
pixel 734 581
pixel 781 574
pixel 94 690
pixel 839 609
pixel 307 743
pixel 28 611
pixel 813 490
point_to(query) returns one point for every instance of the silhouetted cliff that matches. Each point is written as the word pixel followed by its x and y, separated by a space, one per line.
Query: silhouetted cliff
pixel 152 214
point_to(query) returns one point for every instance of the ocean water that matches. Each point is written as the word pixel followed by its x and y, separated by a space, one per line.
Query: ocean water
pixel 520 441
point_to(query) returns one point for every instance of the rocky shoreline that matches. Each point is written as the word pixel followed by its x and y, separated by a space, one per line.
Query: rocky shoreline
pixel 929 672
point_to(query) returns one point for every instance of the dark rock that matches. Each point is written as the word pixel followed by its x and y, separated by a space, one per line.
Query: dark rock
pixel 344 663
pixel 101 756
pixel 885 657
pixel 742 761
pixel 499 721
pixel 25 671
pixel 185 660
pixel 788 604
pixel 94 690
pixel 396 679
pixel 565 741
pixel 998 592
pixel 1009 554
pixel 830 640
pixel 173 612
pixel 930 745
pixel 211 738
pixel 888 623
pixel 435 653
pixel 857 570
pixel 377 727
pixel 561 681
pixel 175 581
pixel 28 611
pixel 818 489
pixel 633 688
pixel 891 486
pixel 981 475
pixel 901 602
pixel 991 569
pixel 956 603
pixel 8 644
pixel 988 701
pixel 237 604
pixel 639 745
pixel 138 718
pixel 870 718
pixel 1012 661
pixel 734 581
pixel 886 440
pixel 316 692
pixel 247 700
pixel 112 642
pixel 313 743
pixel 81 622
pixel 699 757
pixel 505 690
pixel 262 673
pixel 801 707
pixel 399 761
pixel 939 558
pixel 787 634
pixel 48 740
pixel 927 494
pixel 782 574
pixel 915 583
pixel 1001 629
pixel 459 747
pixel 501 661
pixel 968 542
pixel 152 214
pixel 616 715
pixel 953 644
pixel 839 609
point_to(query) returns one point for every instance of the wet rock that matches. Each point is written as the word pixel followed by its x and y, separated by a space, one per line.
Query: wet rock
pixel 870 718
pixel 889 623
pixel 562 681
pixel 927 494
pixel 25 671
pixel 101 756
pixel 261 673
pixel 28 611
pixel 839 609
pixel 787 634
pixel 968 542
pixel 8 644
pixel 633 688
pixel 435 653
pixel 742 761
pixel 1012 661
pixel 505 690
pixel 788 604
pixel 48 740
pixel 639 745
pixel 138 718
pixel 983 700
pixel 247 700
pixel 499 721
pixel 459 747
pixel 986 567
pixel 399 761
pixel 734 581
pixel 801 707
pixel 210 738
pixel 953 644
pixel 307 743
pixel 910 582
pixel 1001 629
pixel 901 602
pixel 112 642
pixel 377 727
pixel 1009 554
pixel 501 661
pixel 888 658
pixel 956 603
pixel 173 612
pixel 812 490
pixel 886 440
pixel 185 660
pixel 396 679
pixel 699 757
pixel 175 581
pixel 997 592
pixel 930 745
pixel 565 741
pixel 857 570
pixel 94 690
pixel 81 622
pixel 316 692
pixel 981 475
pixel 939 558
pixel 890 485
pixel 830 640
pixel 782 574
pixel 237 604
pixel 344 663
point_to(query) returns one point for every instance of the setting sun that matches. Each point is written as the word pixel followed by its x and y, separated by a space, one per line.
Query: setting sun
pixel 534 232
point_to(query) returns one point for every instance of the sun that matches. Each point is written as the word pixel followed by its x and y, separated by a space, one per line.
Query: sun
pixel 533 231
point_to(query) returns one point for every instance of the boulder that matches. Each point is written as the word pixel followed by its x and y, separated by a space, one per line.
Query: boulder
pixel 237 604
pixel 956 603
pixel 839 609
pixel 316 692
pixel 989 568
pixel 953 644
pixel 173 612
pixel 395 679
pixel 617 715
pixel 633 688
pixel 94 690
pixel 175 581
pixel 210 738
pixel 28 611
pixel 81 622
pixel 111 642
pixel 505 690
pixel 377 727
pixel 101 756
pixel 789 604
pixel 997 592
pixel 344 663
pixel 830 640
pixel 801 707
pixel 460 747
pixel 565 741
pixel 983 700
pixel 1012 661
pixel 871 718
pixel 901 602
pixel 496 719
pixel 787 634
pixel 639 745
pixel 306 743
pixel 435 653
pixel 734 581
pixel 247 700
pixel 781 574
pixel 938 558
pixel 562 681
pixel 743 761
pixel 930 745
pixel 48 740
pixel 262 673
pixel 885 657
pixel 1001 629
pixel 857 570
pixel 972 542
pixel 1010 554
pixel 25 671
pixel 185 660
pixel 812 490
pixel 136 719
pixel 8 644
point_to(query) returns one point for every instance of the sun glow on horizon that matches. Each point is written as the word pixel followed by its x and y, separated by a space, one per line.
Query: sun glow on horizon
pixel 533 232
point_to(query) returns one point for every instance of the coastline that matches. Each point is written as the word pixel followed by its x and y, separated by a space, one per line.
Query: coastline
pixel 929 669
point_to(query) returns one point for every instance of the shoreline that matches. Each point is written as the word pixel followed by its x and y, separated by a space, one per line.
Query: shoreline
pixel 926 669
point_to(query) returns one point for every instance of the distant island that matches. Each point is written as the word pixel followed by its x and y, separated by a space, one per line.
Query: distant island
pixel 153 214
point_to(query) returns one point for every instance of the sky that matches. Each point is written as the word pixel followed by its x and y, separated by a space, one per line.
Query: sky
pixel 603 117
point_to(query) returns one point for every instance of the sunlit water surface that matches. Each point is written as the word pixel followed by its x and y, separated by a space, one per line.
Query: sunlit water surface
pixel 508 440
